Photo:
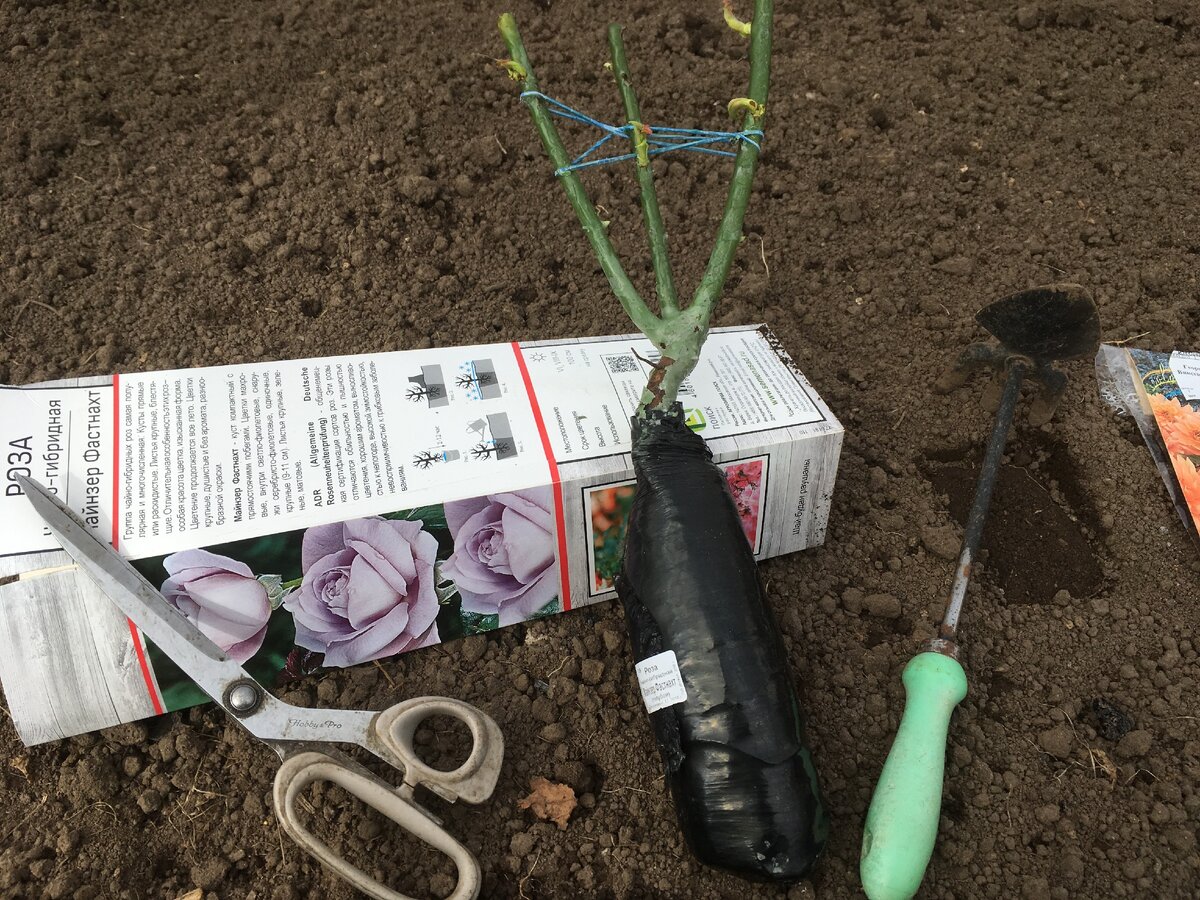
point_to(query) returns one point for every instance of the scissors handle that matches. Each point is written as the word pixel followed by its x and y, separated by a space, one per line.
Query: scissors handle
pixel 301 769
pixel 392 731
pixel 475 779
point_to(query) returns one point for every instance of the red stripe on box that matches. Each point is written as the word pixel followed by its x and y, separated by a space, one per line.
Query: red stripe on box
pixel 559 519
pixel 143 663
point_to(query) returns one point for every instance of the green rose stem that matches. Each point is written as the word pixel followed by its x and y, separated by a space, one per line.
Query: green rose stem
pixel 678 333
pixel 593 228
pixel 668 302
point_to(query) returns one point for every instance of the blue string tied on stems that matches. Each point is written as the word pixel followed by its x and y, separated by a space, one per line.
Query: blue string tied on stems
pixel 659 138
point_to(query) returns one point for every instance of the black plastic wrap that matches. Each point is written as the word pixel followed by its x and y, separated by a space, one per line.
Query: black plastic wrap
pixel 741 774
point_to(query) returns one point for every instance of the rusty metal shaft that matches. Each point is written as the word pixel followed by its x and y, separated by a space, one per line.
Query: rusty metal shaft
pixel 973 533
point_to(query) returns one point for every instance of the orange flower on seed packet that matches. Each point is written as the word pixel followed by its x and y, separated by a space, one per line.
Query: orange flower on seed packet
pixel 1189 482
pixel 1178 423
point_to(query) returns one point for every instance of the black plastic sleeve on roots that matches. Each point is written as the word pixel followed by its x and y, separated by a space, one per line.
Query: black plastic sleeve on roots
pixel 740 771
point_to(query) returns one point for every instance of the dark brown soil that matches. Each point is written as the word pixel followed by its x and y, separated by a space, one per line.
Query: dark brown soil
pixel 239 181
pixel 1034 546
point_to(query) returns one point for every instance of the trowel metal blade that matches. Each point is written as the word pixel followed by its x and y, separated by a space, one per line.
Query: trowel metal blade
pixel 1055 321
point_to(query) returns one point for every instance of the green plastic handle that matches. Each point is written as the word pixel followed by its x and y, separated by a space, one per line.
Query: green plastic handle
pixel 902 822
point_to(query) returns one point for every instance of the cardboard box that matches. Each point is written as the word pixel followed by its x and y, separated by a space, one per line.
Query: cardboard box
pixel 351 508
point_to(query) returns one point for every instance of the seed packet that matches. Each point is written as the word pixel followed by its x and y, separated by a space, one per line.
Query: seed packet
pixel 1161 391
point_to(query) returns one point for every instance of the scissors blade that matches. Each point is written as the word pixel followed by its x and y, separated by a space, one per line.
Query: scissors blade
pixel 194 653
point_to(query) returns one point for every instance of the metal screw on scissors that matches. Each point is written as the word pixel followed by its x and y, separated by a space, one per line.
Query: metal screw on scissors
pixel 302 736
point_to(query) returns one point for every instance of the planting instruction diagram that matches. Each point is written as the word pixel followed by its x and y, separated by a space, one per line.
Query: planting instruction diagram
pixel 228 452
pixel 589 390
pixel 222 453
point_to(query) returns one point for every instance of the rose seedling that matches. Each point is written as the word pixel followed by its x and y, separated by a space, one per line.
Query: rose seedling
pixel 722 698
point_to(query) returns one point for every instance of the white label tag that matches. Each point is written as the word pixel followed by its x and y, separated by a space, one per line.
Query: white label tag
pixel 1186 368
pixel 661 683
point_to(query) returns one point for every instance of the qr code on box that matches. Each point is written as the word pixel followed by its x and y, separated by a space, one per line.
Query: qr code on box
pixel 622 364
pixel 627 363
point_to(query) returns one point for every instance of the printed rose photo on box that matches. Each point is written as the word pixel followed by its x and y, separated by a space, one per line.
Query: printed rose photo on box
pixel 351 592
pixel 608 511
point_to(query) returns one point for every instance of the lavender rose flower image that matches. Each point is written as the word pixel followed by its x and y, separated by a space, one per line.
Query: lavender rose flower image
pixel 221 597
pixel 503 561
pixel 368 590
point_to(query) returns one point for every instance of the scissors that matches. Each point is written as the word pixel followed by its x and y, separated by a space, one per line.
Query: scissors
pixel 302 736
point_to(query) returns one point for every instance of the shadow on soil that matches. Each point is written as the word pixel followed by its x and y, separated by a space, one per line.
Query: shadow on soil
pixel 1035 546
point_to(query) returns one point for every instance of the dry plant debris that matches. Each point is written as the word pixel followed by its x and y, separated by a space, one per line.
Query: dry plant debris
pixel 550 801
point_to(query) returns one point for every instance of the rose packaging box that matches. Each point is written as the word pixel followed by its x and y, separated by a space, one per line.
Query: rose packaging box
pixel 335 511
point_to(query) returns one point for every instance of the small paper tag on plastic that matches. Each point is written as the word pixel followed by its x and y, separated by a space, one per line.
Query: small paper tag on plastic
pixel 661 683
pixel 1186 369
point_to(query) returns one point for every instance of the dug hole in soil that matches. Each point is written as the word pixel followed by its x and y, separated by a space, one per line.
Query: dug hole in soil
pixel 236 182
